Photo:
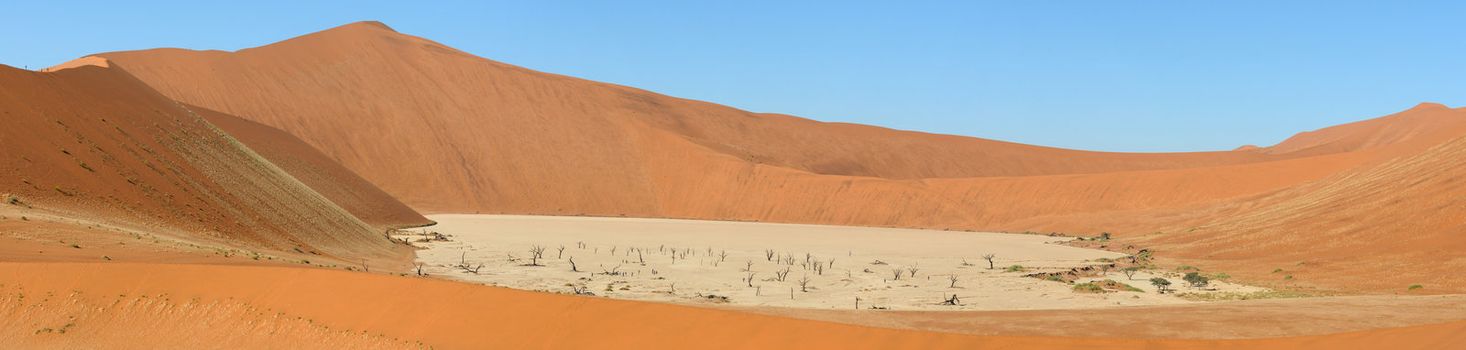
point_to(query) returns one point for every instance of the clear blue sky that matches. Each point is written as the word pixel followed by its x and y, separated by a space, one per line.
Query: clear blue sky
pixel 1102 75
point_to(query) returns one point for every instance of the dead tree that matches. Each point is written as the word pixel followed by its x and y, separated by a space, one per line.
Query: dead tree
pixel 614 271
pixel 471 269
pixel 722 255
pixel 952 278
pixel 749 279
pixel 419 269
pixel 781 275
pixel 989 257
pixel 748 266
pixel 804 284
pixel 572 265
pixel 580 289
pixel 952 301
pixel 535 253
pixel 640 258
pixel 769 254
pixel 912 270
pixel 831 264
pixel 896 274
pixel 560 253
pixel 819 267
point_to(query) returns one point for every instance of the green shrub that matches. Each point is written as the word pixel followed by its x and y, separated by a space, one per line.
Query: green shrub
pixel 1088 287
pixel 1196 279
pixel 1015 268
pixel 1162 285
pixel 1416 286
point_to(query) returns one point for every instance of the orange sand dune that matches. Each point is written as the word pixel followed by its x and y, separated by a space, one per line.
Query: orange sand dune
pixel 446 131
pixel 95 142
pixel 319 172
pixel 208 306
pixel 1380 228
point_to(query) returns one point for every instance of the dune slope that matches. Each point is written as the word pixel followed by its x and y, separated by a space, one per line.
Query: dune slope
pixel 446 131
pixel 93 142
pixel 319 172
pixel 154 300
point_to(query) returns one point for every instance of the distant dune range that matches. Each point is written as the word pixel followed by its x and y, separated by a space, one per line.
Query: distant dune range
pixel 446 131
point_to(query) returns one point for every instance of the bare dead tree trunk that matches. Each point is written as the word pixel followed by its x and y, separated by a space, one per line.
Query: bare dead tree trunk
pixel 560 253
pixel 912 270
pixel 804 284
pixel 750 278
pixel 535 253
pixel 572 265
pixel 769 254
pixel 953 279
pixel 989 258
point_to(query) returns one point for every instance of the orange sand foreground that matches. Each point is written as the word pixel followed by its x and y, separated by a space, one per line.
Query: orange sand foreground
pixel 199 306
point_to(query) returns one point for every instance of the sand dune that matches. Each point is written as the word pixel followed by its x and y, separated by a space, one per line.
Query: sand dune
pixel 93 142
pixel 440 128
pixel 317 171
pixel 132 200
pixel 445 131
pixel 198 305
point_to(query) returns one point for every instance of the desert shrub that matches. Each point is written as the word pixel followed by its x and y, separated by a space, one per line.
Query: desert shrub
pixel 1222 276
pixel 1015 268
pixel 1130 272
pixel 1196 279
pixel 1089 287
pixel 1415 287
pixel 1162 285
pixel 1117 286
pixel 1228 296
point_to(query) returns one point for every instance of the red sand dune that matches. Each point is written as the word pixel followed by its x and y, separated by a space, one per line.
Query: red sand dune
pixel 191 306
pixel 96 143
pixel 318 171
pixel 1370 206
pixel 447 131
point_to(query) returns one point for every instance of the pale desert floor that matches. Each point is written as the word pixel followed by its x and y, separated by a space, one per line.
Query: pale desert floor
pixel 684 261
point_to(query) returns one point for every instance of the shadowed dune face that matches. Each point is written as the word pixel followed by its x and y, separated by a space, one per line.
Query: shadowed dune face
pixel 318 171
pixel 93 142
pixel 446 131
